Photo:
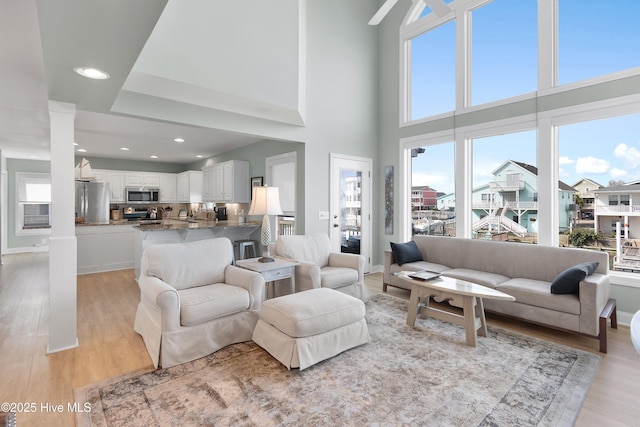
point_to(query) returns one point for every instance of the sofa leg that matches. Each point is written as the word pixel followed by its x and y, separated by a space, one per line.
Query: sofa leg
pixel 608 312
pixel 384 287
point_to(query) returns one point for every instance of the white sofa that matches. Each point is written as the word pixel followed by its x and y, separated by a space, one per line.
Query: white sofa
pixel 320 267
pixel 193 301
pixel 524 271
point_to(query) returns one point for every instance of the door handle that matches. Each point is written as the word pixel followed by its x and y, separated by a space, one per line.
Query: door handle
pixel 336 225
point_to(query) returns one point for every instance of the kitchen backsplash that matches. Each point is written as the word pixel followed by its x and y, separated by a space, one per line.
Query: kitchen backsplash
pixel 198 210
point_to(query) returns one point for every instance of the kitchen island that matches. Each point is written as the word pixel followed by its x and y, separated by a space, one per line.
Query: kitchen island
pixel 188 230
pixel 119 244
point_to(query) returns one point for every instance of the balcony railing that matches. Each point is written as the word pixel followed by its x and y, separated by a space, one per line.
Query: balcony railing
pixel 510 205
pixel 619 209
pixel 514 185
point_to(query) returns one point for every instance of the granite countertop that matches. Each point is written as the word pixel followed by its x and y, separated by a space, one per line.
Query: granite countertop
pixel 172 224
pixel 182 224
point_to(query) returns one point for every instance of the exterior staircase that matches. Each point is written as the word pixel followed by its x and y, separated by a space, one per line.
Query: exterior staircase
pixel 498 222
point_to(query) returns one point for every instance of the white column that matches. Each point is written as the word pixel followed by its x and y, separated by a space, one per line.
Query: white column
pixel 548 175
pixel 464 186
pixel 62 245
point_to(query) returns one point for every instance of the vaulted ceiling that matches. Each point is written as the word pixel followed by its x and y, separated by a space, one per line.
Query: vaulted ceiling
pixel 244 57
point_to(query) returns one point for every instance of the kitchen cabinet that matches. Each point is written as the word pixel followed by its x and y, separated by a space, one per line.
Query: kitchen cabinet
pixel 229 182
pixel 115 179
pixel 189 185
pixel 208 184
pixel 168 188
pixel 142 179
pixel 116 185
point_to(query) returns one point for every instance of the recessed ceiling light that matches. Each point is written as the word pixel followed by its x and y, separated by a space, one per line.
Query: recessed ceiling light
pixel 199 156
pixel 81 150
pixel 124 148
pixel 91 73
pixel 154 156
pixel 179 140
pixel 75 143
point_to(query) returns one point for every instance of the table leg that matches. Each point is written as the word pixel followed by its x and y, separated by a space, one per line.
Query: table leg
pixel 293 281
pixel 469 320
pixel 414 300
pixel 480 313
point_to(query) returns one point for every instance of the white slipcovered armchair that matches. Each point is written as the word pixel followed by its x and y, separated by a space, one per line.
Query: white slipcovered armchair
pixel 193 301
pixel 319 267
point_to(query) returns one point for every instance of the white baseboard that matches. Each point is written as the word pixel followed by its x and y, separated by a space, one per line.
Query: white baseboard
pixel 624 318
pixel 44 248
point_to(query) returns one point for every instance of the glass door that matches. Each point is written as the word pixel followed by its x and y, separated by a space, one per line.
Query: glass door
pixel 350 213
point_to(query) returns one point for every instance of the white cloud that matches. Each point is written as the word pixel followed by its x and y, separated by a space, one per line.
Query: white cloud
pixel 591 165
pixel 630 155
pixel 617 173
pixel 564 160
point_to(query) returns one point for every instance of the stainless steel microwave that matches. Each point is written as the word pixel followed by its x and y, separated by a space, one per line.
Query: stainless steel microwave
pixel 140 195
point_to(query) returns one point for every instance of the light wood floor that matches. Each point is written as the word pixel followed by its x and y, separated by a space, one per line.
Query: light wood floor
pixel 109 347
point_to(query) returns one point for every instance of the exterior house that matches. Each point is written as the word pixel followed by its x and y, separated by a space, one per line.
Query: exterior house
pixel 423 198
pixel 620 203
pixel 510 201
pixel 585 192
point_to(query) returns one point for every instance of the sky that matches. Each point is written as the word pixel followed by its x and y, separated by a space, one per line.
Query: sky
pixel 594 40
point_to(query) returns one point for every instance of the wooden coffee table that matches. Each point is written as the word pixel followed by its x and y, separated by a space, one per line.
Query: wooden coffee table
pixel 461 293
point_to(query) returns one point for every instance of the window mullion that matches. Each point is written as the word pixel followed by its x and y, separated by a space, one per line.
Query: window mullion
pixel 547 44
pixel 463 59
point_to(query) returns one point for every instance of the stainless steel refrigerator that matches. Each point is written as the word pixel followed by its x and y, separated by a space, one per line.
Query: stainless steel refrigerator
pixel 92 201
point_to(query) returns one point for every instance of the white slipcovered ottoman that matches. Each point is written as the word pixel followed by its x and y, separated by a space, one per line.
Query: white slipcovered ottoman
pixel 305 328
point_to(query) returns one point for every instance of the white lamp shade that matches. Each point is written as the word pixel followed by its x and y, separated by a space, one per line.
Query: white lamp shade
pixel 265 201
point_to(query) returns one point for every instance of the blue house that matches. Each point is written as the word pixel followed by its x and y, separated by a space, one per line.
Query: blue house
pixel 509 203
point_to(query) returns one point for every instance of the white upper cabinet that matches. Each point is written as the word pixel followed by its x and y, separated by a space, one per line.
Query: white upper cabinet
pixel 189 186
pixel 142 179
pixel 208 184
pixel 228 182
pixel 115 179
pixel 168 188
pixel 116 185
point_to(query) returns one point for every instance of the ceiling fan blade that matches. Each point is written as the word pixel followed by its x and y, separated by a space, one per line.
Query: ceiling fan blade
pixel 382 12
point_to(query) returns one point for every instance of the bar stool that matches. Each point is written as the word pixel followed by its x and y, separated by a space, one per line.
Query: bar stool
pixel 242 245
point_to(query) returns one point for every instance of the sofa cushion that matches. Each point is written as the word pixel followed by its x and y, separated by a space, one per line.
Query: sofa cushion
pixel 312 312
pixel 205 303
pixel 335 277
pixel 185 265
pixel 483 278
pixel 404 253
pixel 536 293
pixel 568 281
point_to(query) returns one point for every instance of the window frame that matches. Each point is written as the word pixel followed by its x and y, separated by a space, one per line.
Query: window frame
pixel 21 177
pixel 540 111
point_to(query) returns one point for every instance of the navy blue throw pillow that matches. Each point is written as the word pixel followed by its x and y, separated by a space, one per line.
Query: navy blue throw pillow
pixel 406 252
pixel 568 281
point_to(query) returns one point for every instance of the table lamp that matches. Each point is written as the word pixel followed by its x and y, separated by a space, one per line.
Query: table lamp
pixel 265 201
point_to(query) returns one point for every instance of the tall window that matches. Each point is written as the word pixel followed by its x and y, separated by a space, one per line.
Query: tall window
pixel 597 38
pixel 580 73
pixel 33 206
pixel 505 180
pixel 433 183
pixel 504 50
pixel 433 70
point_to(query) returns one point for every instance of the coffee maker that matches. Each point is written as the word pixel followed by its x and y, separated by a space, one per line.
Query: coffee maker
pixel 221 213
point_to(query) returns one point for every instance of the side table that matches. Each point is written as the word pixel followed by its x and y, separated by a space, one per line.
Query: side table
pixel 272 271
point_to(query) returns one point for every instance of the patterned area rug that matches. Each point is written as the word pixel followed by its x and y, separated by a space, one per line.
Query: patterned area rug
pixel 404 376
